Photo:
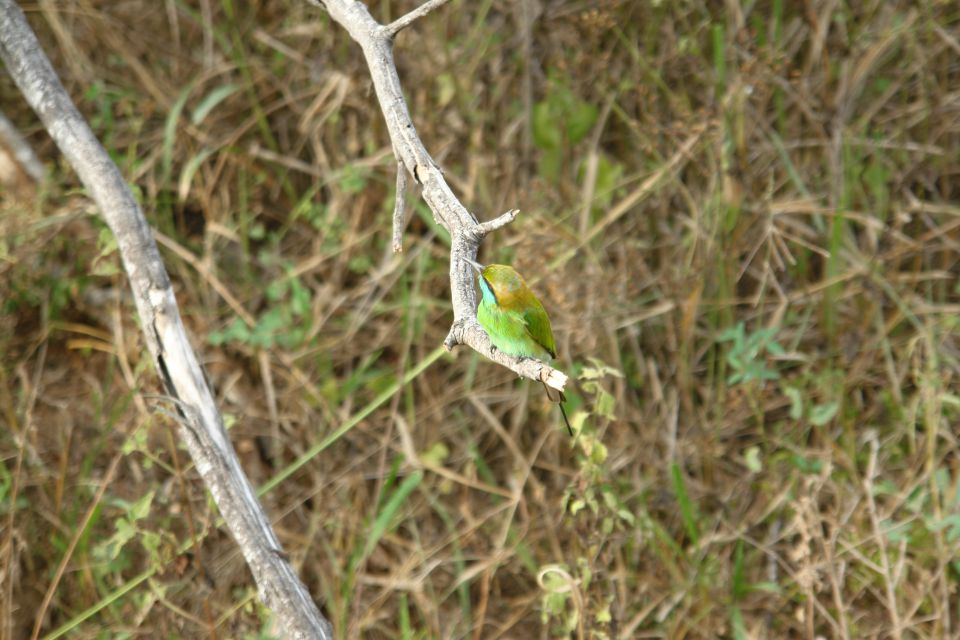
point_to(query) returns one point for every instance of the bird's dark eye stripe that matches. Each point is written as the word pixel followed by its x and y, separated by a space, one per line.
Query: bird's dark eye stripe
pixel 492 292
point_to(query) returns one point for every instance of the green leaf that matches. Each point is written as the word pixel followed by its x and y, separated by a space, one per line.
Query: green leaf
pixel 738 579
pixel 606 526
pixel 546 131
pixel 577 420
pixel 211 100
pixel 435 455
pixel 735 333
pixel 580 121
pixel 141 508
pixel 170 133
pixel 605 404
pixel 609 175
pixel 766 587
pixel 299 298
pixel 277 289
pixel 796 402
pixel 896 532
pixel 150 541
pixel 951 523
pixel 598 452
pixel 821 414
pixel 236 331
pixel 105 268
pixel 774 349
pixel 106 242
pixel 123 534
pixel 136 441
pixel 550 164
pixel 688 510
pixel 446 89
pixel 268 326
pixel 807 465
pixel 382 524
pixel 360 263
pixel 406 631
pixel 190 170
pixel 603 615
pixel 737 624
pixel 598 369
pixel 353 179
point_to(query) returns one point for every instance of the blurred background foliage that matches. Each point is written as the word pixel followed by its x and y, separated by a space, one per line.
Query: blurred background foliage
pixel 743 218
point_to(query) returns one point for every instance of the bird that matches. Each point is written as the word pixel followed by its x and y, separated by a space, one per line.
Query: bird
pixel 515 319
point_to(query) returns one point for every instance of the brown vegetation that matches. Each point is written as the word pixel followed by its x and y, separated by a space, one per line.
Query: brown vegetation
pixel 743 218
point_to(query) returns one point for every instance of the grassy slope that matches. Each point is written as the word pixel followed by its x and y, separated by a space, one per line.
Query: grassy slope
pixel 750 213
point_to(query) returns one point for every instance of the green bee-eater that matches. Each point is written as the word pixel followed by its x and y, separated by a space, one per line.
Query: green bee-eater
pixel 515 319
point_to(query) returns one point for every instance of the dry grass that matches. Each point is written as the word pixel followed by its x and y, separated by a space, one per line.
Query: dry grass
pixel 682 168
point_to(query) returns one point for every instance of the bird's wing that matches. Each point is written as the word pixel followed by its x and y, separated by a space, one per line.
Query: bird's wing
pixel 538 327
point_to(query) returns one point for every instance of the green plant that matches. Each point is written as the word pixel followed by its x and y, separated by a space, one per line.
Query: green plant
pixel 560 121
pixel 284 324
pixel 748 353
pixel 111 553
pixel 595 500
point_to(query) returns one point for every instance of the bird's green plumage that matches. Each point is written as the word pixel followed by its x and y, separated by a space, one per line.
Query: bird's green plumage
pixel 515 320
pixel 512 315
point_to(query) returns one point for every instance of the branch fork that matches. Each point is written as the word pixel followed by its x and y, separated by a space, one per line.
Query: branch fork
pixel 466 232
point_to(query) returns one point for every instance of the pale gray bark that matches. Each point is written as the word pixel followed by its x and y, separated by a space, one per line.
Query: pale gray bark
pixel 376 41
pixel 19 150
pixel 201 424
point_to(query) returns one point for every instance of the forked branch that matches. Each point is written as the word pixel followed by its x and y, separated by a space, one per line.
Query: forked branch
pixel 466 233
pixel 405 21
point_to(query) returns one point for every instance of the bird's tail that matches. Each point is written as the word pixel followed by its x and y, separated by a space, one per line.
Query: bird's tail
pixel 557 396
pixel 563 412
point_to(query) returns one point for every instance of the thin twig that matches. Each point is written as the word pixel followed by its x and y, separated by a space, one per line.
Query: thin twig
pixel 500 221
pixel 405 21
pixel 399 207
pixel 21 150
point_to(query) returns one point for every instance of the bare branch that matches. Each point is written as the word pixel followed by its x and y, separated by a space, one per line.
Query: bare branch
pixel 469 332
pixel 465 232
pixel 405 21
pixel 20 151
pixel 201 427
pixel 500 221
pixel 399 205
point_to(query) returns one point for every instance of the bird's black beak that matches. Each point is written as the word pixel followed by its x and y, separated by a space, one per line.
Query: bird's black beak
pixel 476 265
